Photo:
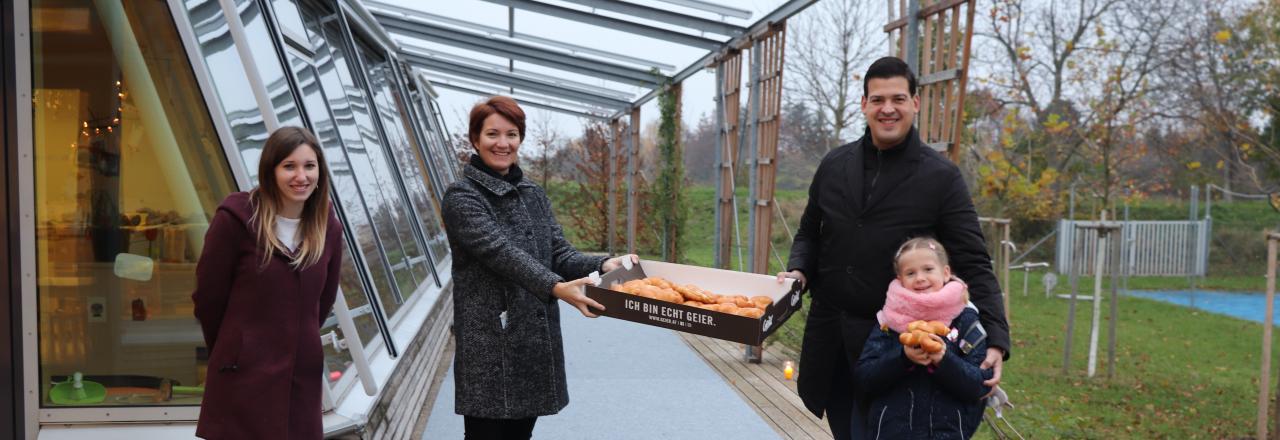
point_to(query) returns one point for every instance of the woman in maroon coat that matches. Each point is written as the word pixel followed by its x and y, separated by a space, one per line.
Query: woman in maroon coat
pixel 265 282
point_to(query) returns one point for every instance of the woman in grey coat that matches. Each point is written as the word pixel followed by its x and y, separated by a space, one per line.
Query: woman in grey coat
pixel 511 263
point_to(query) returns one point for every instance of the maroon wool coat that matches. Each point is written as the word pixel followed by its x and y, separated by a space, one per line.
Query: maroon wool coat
pixel 262 328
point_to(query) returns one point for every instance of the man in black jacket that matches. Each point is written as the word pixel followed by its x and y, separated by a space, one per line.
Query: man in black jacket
pixel 866 199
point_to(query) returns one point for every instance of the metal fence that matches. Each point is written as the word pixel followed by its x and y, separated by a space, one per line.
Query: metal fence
pixel 1151 248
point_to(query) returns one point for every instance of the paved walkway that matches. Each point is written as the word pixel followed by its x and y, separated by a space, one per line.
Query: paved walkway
pixel 629 381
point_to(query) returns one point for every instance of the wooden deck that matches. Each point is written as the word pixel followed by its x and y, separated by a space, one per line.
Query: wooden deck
pixel 762 386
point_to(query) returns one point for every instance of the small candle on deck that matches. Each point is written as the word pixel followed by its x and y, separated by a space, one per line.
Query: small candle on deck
pixel 787 371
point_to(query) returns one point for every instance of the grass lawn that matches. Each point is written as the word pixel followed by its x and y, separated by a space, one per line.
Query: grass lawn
pixel 1179 373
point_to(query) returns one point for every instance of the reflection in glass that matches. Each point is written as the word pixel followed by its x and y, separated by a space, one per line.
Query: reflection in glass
pixel 356 219
pixel 395 116
pixel 342 94
pixel 407 267
pixel 128 171
pixel 226 70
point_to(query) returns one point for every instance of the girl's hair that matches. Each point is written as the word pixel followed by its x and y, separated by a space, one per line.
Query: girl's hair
pixel 920 243
pixel 267 200
pixel 501 105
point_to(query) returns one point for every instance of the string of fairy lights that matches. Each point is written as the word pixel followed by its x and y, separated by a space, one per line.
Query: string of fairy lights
pixel 92 128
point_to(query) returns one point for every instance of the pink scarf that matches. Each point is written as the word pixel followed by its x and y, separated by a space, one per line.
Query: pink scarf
pixel 902 306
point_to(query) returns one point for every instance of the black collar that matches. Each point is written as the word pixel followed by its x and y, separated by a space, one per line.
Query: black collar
pixel 513 176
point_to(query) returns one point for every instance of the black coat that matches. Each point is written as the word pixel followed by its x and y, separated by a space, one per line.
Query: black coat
pixel 508 253
pixel 845 248
pixel 908 401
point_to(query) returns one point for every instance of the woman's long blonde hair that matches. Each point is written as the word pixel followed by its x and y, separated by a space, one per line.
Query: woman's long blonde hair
pixel 267 200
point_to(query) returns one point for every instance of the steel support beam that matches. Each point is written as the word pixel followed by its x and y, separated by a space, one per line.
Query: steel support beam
pixel 438 79
pixel 419 28
pixel 522 101
pixel 714 8
pixel 615 131
pixel 493 31
pixel 633 157
pixel 569 84
pixel 767 56
pixel 728 86
pixel 612 23
pixel 749 140
pixel 791 7
pixel 508 79
pixel 673 18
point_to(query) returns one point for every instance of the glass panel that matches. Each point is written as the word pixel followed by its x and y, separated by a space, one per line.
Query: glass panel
pixel 357 220
pixel 437 176
pixel 404 149
pixel 445 146
pixel 412 165
pixel 343 95
pixel 226 70
pixel 290 20
pixel 128 172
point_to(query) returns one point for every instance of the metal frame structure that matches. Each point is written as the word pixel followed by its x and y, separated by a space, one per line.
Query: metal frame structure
pixel 379 25
pixel 934 37
pixel 11 369
pixel 468 75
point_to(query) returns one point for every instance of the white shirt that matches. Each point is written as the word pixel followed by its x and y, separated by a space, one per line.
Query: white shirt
pixel 287 232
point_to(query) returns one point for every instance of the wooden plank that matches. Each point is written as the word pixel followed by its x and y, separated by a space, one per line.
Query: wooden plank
pixel 762 401
pixel 926 95
pixel 950 114
pixel 964 80
pixel 763 379
pixel 753 397
pixel 768 377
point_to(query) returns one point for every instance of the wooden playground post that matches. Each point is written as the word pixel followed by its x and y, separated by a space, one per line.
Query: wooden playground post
pixel 1001 258
pixel 1264 381
pixel 1098 267
pixel 1100 256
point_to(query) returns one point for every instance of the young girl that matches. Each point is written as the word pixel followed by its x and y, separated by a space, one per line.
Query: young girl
pixel 265 282
pixel 914 393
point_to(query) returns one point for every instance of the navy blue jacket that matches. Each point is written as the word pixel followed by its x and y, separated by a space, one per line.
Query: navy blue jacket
pixel 909 402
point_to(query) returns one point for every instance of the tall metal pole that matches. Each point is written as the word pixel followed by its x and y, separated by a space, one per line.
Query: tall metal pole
pixel 1191 247
pixel 1264 386
pixel 1117 267
pixel 721 257
pixel 752 147
pixel 1074 275
pixel 633 147
pixel 912 35
pixel 1100 242
pixel 611 185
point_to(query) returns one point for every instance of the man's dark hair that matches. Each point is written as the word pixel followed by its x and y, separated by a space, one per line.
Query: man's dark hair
pixel 890 67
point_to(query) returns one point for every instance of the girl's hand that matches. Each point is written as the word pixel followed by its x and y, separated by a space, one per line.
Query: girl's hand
pixel 573 293
pixel 936 358
pixel 616 262
pixel 916 355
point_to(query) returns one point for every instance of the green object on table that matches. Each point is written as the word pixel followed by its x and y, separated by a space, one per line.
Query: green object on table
pixel 199 391
pixel 77 391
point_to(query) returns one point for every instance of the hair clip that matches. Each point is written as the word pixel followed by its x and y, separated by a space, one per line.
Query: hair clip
pixel 932 247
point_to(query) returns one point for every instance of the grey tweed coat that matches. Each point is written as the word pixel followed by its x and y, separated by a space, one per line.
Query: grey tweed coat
pixel 508 252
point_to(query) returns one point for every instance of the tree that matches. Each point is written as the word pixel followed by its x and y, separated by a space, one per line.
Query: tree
pixel 588 207
pixel 670 209
pixel 700 151
pixel 548 142
pixel 829 46
pixel 1085 72
pixel 1223 79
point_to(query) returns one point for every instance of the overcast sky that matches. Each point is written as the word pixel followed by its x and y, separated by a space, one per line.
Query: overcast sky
pixel 698 89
